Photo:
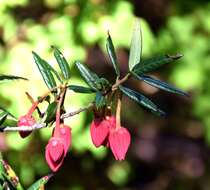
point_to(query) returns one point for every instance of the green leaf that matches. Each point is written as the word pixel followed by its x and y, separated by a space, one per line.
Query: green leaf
pixel 63 64
pixel 50 112
pixel 11 77
pixel 40 183
pixel 80 89
pixel 100 100
pixel 112 54
pixel 142 100
pixel 161 85
pixel 52 70
pixel 3 117
pixel 136 45
pixel 45 71
pixel 89 77
pixel 154 63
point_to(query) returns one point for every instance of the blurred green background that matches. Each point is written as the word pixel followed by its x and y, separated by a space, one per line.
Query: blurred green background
pixel 166 153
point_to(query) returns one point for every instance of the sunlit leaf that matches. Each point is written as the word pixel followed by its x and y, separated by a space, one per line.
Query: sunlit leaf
pixel 142 100
pixel 40 183
pixel 11 176
pixel 80 89
pixel 11 77
pixel 53 70
pixel 63 64
pixel 112 54
pixel 154 63
pixel 45 71
pixel 136 45
pixel 89 77
pixel 161 85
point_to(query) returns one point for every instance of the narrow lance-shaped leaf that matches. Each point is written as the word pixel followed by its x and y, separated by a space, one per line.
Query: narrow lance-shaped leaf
pixel 161 85
pixel 11 77
pixel 50 112
pixel 45 71
pixel 80 89
pixel 136 45
pixel 154 63
pixel 63 64
pixel 38 185
pixel 89 77
pixel 142 100
pixel 112 54
pixel 52 70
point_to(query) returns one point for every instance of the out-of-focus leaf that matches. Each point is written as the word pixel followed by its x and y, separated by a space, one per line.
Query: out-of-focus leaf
pixel 4 112
pixel 103 83
pixel 160 84
pixel 100 100
pixel 6 118
pixel 112 54
pixel 142 100
pixel 11 77
pixel 63 64
pixel 51 112
pixel 136 45
pixel 38 185
pixel 153 63
pixel 3 117
pixel 11 176
pixel 45 71
pixel 89 77
pixel 80 89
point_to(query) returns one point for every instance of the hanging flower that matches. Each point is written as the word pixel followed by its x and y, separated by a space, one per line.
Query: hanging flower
pixel 119 141
pixel 25 120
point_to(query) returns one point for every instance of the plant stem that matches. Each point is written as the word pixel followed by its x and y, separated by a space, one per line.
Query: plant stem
pixel 24 128
pixel 118 110
pixel 66 115
pixel 120 81
pixel 58 112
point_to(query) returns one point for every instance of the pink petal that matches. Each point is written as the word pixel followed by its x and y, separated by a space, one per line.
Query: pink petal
pixel 119 141
pixel 65 133
pixel 54 166
pixel 99 130
pixel 56 148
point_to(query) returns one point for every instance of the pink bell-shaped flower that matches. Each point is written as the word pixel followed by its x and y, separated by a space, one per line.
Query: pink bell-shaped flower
pixel 25 120
pixel 119 141
pixel 65 134
pixel 99 130
pixel 55 153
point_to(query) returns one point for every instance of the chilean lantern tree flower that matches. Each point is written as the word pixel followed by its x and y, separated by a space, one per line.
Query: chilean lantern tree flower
pixel 99 130
pixel 57 147
pixel 119 141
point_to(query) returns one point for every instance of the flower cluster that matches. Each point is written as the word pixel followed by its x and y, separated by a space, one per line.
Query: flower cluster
pixel 58 146
pixel 104 131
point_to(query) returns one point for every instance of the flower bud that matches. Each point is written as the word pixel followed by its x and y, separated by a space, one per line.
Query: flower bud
pixel 25 120
pixel 55 153
pixel 119 141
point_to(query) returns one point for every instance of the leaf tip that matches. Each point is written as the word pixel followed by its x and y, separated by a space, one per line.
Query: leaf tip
pixel 176 56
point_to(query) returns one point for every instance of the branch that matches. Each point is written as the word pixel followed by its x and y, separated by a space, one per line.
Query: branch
pixel 66 115
pixel 23 128
pixel 120 81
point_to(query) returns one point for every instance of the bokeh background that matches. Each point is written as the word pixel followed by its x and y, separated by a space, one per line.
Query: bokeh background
pixel 166 153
